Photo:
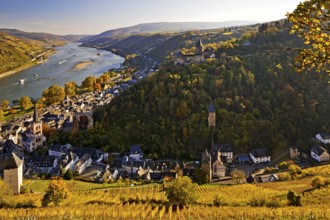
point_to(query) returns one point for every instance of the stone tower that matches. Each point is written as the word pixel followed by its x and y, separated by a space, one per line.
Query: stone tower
pixel 211 118
pixel 218 168
pixel 206 164
pixel 199 47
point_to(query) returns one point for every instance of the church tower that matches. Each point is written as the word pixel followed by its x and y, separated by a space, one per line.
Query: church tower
pixel 34 137
pixel 206 164
pixel 211 118
pixel 218 168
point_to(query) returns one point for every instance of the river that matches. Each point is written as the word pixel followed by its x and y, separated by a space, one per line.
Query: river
pixel 58 69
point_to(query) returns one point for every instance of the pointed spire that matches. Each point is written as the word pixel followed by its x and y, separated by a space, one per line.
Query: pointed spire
pixel 35 114
pixel 206 152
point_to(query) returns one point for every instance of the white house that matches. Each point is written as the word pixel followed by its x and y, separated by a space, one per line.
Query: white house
pixel 136 152
pixel 260 155
pixel 226 150
pixel 69 162
pixel 323 138
pixel 319 154
pixel 84 162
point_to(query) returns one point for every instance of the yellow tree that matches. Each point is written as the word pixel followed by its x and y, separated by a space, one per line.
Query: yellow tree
pixel 70 88
pixel 311 21
pixel 5 104
pixel 56 192
pixel 26 103
pixel 54 94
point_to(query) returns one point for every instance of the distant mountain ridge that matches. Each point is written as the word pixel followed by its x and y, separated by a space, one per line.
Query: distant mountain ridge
pixel 42 37
pixel 166 27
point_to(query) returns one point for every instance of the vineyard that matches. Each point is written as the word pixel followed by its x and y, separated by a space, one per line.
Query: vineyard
pixel 149 211
pixel 150 202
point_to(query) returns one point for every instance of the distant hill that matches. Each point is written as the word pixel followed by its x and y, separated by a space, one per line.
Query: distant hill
pixel 43 37
pixel 166 27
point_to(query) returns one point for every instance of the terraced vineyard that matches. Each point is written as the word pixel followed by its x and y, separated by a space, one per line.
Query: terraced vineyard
pixel 236 194
pixel 150 202
pixel 149 211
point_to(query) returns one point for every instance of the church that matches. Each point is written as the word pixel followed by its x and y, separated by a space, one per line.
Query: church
pixel 33 138
pixel 197 57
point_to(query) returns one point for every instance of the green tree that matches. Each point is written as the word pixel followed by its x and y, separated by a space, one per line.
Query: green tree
pixel 70 88
pixel 5 103
pixel 318 182
pixel 238 176
pixel 88 83
pixel 311 22
pixel 68 175
pixel 26 103
pixel 55 193
pixel 217 200
pixel 54 94
pixel 293 199
pixel 201 177
pixel 182 191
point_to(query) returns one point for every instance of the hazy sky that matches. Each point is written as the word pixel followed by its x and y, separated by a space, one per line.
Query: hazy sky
pixel 95 16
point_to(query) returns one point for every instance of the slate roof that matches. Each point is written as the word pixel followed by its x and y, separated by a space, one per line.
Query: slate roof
pixel 211 108
pixel 318 150
pixel 224 147
pixel 9 161
pixel 136 149
pixel 260 152
pixel 243 158
pixel 325 136
pixel 46 161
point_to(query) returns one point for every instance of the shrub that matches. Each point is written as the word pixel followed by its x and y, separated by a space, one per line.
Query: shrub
pixel 217 201
pixel 284 176
pixel 68 175
pixel 293 199
pixel 55 193
pixel 257 201
pixel 273 203
pixel 318 182
pixel 181 192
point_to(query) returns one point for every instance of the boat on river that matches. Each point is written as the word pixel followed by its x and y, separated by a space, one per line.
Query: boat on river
pixel 63 61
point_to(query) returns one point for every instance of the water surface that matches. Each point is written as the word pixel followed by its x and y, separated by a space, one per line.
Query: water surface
pixel 58 70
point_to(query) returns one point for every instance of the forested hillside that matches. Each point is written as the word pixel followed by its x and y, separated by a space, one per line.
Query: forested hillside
pixel 260 100
pixel 158 46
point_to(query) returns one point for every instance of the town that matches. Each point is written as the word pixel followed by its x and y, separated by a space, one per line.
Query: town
pixel 21 138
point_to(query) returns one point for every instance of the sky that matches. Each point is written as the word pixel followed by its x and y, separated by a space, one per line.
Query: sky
pixel 95 16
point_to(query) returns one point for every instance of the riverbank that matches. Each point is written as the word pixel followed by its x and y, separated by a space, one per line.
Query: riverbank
pixel 27 66
pixel 83 64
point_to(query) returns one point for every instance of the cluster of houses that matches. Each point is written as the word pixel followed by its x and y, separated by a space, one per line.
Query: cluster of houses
pixel 318 152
